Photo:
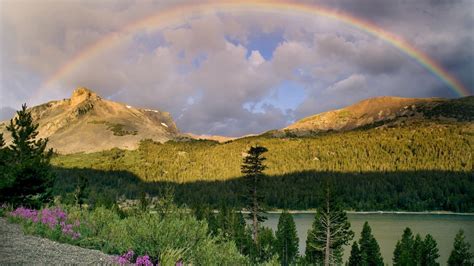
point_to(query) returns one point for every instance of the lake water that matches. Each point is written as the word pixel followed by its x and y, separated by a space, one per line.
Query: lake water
pixel 388 229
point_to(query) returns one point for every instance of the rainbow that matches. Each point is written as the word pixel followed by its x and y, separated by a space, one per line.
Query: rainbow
pixel 177 13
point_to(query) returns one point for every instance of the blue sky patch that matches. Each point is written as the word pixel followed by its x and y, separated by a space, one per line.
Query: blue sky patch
pixel 265 43
pixel 288 95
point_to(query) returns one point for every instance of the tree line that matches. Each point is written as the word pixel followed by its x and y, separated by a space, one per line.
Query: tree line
pixel 416 167
pixel 387 191
pixel 421 147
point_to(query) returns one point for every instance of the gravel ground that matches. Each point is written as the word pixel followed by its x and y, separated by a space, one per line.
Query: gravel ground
pixel 17 248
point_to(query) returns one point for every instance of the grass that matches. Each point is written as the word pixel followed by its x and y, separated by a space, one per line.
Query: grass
pixel 117 128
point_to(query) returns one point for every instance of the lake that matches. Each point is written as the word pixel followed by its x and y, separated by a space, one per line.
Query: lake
pixel 388 229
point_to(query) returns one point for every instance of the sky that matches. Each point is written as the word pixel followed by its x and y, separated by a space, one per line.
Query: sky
pixel 230 72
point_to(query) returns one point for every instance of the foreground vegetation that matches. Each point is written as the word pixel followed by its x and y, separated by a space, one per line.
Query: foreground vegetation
pixel 170 235
pixel 169 238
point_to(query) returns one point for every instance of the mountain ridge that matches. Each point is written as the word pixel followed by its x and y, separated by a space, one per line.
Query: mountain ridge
pixel 87 123
pixel 384 110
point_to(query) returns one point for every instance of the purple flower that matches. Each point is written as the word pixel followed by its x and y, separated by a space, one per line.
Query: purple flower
pixel 125 258
pixel 53 218
pixel 143 260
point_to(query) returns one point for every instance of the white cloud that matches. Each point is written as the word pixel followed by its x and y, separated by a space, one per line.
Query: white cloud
pixel 353 84
pixel 207 59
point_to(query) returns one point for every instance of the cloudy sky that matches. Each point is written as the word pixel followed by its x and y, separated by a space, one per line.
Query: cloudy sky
pixel 228 72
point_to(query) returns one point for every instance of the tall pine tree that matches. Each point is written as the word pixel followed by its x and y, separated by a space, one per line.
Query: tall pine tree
pixel 369 248
pixel 415 251
pixel 329 233
pixel 5 175
pixel 286 239
pixel 430 251
pixel 355 258
pixel 252 168
pixel 460 255
pixel 30 178
pixel 403 254
pixel 266 248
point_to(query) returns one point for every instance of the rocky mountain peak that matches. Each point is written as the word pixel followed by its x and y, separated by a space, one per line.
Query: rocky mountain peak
pixel 82 94
pixel 87 123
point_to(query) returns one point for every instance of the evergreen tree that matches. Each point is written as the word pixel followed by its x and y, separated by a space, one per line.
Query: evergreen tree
pixel 224 221
pixel 286 239
pixel 252 168
pixel 403 254
pixel 397 253
pixel 266 247
pixel 460 255
pixel 212 223
pixel 81 191
pixel 30 176
pixel 329 233
pixel 417 251
pixel 5 178
pixel 240 235
pixel 355 259
pixel 430 252
pixel 369 248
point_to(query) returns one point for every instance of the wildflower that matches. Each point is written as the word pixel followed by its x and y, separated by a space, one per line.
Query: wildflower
pixel 143 260
pixel 55 219
pixel 125 258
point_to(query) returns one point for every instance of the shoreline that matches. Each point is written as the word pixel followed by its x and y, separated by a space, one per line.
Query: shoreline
pixel 378 212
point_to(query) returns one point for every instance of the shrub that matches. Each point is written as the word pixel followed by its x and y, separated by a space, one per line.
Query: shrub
pixel 140 237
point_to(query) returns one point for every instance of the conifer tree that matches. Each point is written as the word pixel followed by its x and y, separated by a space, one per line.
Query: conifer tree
pixel 81 191
pixel 329 233
pixel 355 259
pixel 212 223
pixel 286 238
pixel 252 168
pixel 403 254
pixel 460 255
pixel 417 251
pixel 240 234
pixel 30 174
pixel 430 251
pixel 369 248
pixel 266 247
pixel 5 178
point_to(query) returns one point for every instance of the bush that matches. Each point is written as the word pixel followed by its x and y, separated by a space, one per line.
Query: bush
pixel 176 236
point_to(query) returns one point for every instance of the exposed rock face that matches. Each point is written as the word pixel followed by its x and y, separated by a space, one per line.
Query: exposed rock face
pixel 382 110
pixel 88 123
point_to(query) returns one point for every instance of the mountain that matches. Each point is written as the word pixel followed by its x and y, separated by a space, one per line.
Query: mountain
pixel 220 139
pixel 88 123
pixel 384 111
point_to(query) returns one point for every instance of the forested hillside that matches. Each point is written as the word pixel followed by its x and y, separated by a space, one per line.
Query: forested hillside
pixel 421 166
pixel 421 147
